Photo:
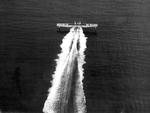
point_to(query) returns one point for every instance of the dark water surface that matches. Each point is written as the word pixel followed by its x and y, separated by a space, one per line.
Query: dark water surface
pixel 117 72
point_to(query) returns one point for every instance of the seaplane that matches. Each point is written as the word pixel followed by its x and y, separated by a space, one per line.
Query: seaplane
pixel 76 25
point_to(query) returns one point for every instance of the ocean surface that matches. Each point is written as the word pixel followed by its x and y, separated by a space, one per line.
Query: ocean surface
pixel 117 69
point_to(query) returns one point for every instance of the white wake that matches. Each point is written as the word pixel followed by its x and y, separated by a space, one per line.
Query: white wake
pixel 66 94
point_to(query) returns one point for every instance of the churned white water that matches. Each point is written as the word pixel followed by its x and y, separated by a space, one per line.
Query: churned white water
pixel 66 94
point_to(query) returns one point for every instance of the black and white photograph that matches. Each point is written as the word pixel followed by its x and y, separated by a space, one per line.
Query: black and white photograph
pixel 74 56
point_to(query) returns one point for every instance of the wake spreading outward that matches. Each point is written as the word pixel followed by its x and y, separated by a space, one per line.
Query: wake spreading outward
pixel 66 94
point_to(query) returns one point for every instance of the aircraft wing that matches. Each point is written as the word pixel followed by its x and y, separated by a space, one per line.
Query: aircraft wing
pixel 76 25
pixel 89 25
pixel 64 25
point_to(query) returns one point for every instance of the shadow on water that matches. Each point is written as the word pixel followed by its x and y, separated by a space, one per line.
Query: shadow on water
pixel 16 80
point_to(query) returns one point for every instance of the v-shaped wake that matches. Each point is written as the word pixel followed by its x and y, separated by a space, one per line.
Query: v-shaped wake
pixel 66 94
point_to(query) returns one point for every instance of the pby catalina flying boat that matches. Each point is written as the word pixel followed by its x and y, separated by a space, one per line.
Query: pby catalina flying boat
pixel 76 25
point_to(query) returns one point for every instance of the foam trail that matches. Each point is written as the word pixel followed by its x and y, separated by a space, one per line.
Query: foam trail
pixel 66 94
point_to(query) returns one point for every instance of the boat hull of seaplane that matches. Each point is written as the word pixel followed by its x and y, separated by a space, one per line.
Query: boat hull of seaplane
pixel 62 27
